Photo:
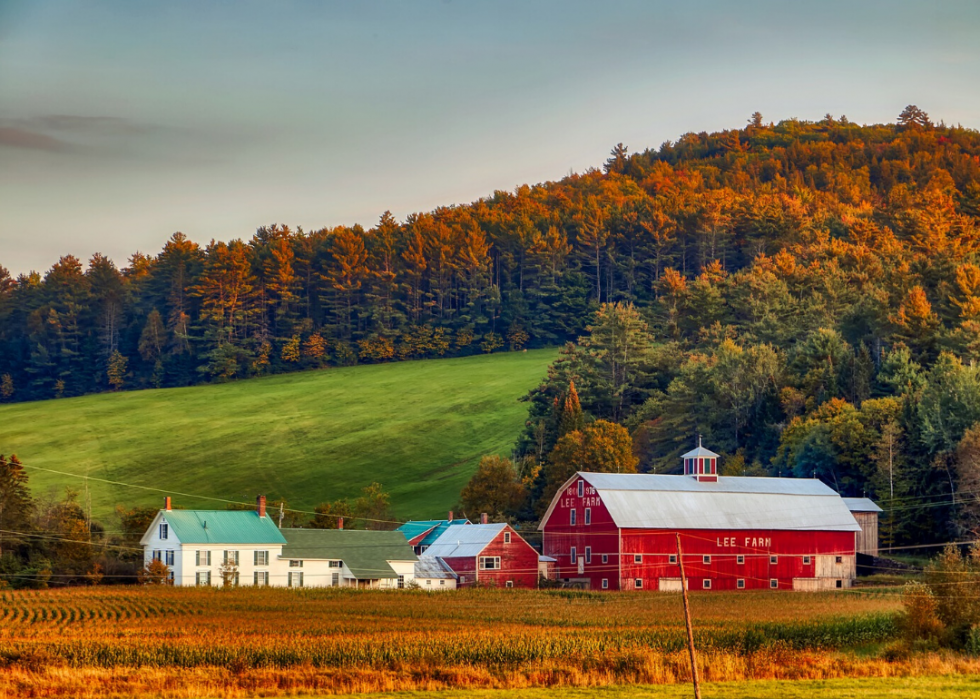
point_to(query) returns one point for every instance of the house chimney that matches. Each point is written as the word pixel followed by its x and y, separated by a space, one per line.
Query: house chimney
pixel 483 518
pixel 450 516
pixel 340 523
pixel 260 505
pixel 166 503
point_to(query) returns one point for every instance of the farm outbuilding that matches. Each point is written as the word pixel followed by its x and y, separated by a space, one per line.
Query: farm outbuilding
pixel 613 531
pixel 486 554
pixel 866 514
pixel 423 533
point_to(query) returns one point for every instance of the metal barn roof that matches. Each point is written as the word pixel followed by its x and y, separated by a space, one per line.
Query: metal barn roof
pixel 222 527
pixel 861 505
pixel 463 542
pixel 700 452
pixel 365 553
pixel 425 532
pixel 648 501
pixel 434 568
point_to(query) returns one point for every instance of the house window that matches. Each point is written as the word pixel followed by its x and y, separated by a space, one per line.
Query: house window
pixel 429 583
pixel 202 558
pixel 741 584
pixel 773 583
pixel 588 515
pixel 605 558
pixel 334 564
pixel 638 583
pixel 442 582
pixel 581 488
pixel 773 560
pixel 840 559
pixel 157 555
pixel 572 517
pixel 489 562
pixel 605 584
pixel 706 559
pixel 740 559
pixel 638 558
pixel 295 580
pixel 510 583
pixel 574 556
pixel 506 537
pixel 260 578
pixel 261 558
pixel 672 558
pixel 401 582
pixel 234 580
pixel 706 584
pixel 231 558
pixel 169 558
pixel 588 554
pixel 296 564
pixel 164 530
pixel 204 577
pixel 806 560
pixel 335 579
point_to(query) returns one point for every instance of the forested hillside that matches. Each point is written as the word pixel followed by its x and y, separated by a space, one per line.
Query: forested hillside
pixel 805 294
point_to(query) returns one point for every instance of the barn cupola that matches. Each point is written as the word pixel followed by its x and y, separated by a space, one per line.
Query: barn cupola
pixel 701 463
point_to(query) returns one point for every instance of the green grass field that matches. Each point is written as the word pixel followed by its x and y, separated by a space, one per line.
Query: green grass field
pixel 943 687
pixel 419 428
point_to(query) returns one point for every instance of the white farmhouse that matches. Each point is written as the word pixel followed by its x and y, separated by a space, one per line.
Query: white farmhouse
pixel 200 547
pixel 194 544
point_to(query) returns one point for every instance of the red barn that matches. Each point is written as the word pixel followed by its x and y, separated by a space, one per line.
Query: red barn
pixel 613 531
pixel 491 554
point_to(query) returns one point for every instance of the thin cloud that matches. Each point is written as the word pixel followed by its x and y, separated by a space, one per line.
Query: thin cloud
pixel 14 137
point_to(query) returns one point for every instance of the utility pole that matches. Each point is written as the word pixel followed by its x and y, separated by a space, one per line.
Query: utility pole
pixel 687 620
pixel 280 514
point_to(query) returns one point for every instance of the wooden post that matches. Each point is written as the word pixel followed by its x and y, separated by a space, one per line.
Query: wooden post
pixel 687 620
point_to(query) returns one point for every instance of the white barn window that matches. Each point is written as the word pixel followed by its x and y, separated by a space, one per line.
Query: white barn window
pixel 741 584
pixel 489 562
pixel 581 488
pixel 572 516
pixel 588 515
pixel 574 555
pixel 706 584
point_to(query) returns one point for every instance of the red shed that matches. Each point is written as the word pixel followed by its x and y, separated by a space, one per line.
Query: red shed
pixel 617 531
pixel 487 554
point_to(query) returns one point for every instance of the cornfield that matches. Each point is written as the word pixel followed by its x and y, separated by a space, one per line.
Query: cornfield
pixel 104 642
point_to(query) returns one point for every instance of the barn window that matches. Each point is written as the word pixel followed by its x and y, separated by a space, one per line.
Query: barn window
pixel 638 583
pixel 840 559
pixel 741 583
pixel 261 558
pixel 706 584
pixel 605 558
pixel 840 583
pixel 588 554
pixel 506 537
pixel 164 530
pixel 706 560
pixel 773 583
pixel 806 560
pixel 638 558
pixel 672 558
pixel 773 560
pixel 169 558
pixel 489 562
pixel 572 516
pixel 510 583
pixel 605 584
pixel 574 555
pixel 581 488
pixel 740 559
pixel 588 515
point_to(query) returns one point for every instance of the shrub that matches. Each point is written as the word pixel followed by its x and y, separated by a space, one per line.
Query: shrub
pixel 920 620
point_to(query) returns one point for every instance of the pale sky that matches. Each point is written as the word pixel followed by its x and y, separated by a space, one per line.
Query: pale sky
pixel 122 122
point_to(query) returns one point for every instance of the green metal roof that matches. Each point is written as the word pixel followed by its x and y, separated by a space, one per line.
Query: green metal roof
pixel 365 553
pixel 222 527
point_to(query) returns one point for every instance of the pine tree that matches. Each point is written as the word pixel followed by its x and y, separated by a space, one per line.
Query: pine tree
pixel 572 418
pixel 153 338
pixel 16 504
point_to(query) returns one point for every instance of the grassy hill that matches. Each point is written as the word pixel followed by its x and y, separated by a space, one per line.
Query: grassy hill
pixel 418 428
